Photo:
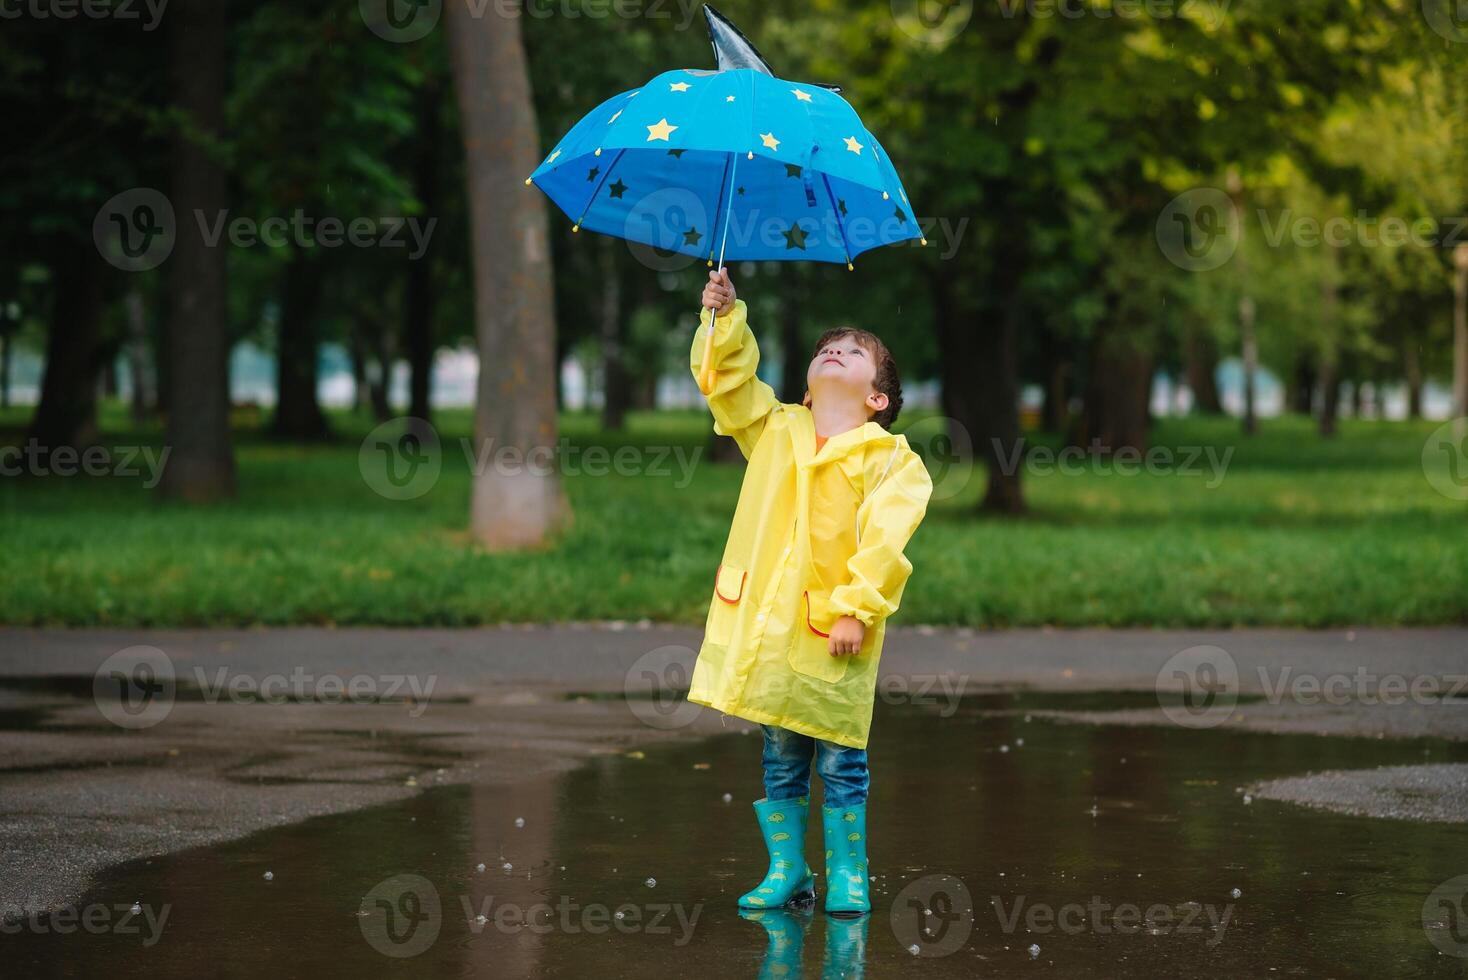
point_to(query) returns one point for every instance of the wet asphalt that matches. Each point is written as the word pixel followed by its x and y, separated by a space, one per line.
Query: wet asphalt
pixel 264 728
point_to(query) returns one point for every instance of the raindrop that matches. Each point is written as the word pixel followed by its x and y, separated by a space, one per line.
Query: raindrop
pixel 137 907
pixel 1236 893
pixel 621 914
pixel 519 821
pixel 1018 742
pixel 1248 799
pixel 480 919
pixel 1034 949
pixel 1003 748
pixel 508 866
pixel 913 949
pixel 270 876
pixel 479 867
pixel 728 797
pixel 653 883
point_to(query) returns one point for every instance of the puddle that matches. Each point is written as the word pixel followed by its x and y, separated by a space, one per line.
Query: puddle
pixel 1056 840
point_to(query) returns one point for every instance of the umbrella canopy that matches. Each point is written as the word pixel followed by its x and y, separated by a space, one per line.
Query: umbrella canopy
pixel 734 164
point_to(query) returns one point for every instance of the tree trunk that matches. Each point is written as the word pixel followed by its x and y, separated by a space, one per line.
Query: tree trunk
pixel 520 503
pixel 1055 412
pixel 1412 367
pixel 1330 398
pixel 1460 331
pixel 5 354
pixel 1250 353
pixel 298 414
pixel 1201 355
pixel 67 412
pixel 1118 395
pixel 419 297
pixel 201 467
pixel 1302 391
pixel 979 373
pixel 616 382
pixel 140 375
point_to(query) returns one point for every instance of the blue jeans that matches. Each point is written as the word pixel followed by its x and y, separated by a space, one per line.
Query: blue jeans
pixel 787 768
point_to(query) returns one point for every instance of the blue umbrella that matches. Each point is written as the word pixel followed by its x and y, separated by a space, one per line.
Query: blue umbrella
pixel 731 164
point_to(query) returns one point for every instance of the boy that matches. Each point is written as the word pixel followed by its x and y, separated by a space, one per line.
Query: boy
pixel 812 570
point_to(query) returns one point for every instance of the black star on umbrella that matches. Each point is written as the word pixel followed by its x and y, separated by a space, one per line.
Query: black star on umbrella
pixel 741 192
pixel 792 170
pixel 591 174
pixel 897 213
pixel 617 189
pixel 691 236
pixel 841 205
pixel 794 238
pixel 676 153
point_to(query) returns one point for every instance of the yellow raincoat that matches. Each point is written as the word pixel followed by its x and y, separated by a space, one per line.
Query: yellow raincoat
pixel 816 536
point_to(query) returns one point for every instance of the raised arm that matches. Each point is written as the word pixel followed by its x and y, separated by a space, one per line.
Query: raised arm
pixel 740 401
pixel 878 571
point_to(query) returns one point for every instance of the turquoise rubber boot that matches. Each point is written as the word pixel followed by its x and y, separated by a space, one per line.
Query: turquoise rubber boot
pixel 846 859
pixel 782 822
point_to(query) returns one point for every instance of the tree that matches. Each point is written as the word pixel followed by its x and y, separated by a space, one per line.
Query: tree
pixel 517 501
pixel 201 467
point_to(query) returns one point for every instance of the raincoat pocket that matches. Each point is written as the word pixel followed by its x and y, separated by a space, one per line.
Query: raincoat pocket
pixel 810 651
pixel 729 582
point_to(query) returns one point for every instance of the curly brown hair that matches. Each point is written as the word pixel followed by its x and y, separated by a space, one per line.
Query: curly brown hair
pixel 886 380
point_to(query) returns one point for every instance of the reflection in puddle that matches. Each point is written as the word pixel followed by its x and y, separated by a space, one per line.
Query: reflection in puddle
pixel 999 845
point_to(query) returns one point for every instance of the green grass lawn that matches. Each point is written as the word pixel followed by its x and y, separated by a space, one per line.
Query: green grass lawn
pixel 1299 531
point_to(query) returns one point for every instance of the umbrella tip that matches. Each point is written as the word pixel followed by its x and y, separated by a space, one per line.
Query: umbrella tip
pixel 850 267
pixel 924 241
pixel 527 181
pixel 575 228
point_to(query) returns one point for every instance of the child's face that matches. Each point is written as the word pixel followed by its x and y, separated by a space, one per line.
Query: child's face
pixel 841 370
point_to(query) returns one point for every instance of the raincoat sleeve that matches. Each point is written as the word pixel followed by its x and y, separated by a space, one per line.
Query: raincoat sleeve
pixel 887 519
pixel 740 401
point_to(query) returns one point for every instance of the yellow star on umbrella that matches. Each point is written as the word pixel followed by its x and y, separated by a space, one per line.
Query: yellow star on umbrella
pixel 552 157
pixel 853 145
pixel 769 140
pixel 802 96
pixel 728 98
pixel 615 117
pixel 660 130
pixel 678 86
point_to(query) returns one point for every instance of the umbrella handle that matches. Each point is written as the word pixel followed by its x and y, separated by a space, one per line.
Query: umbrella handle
pixel 707 374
